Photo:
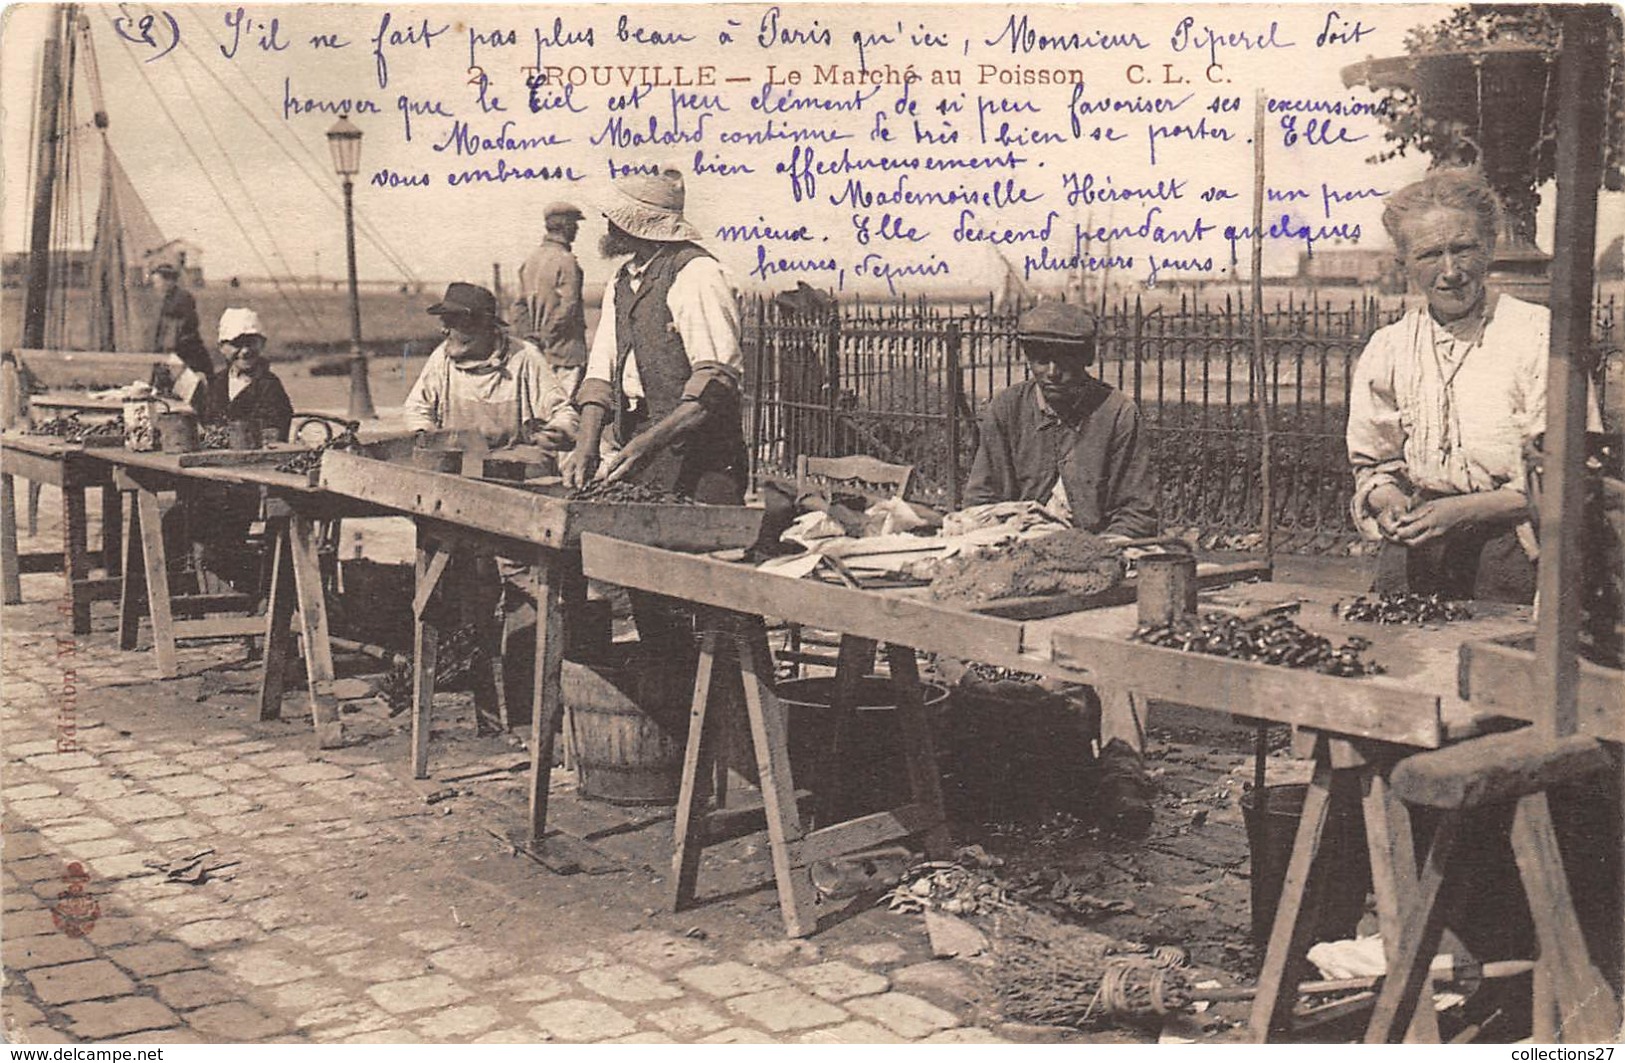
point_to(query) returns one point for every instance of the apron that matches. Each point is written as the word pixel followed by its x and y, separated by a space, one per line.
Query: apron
pixel 496 422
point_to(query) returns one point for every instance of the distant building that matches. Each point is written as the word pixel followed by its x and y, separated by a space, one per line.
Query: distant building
pixel 1611 263
pixel 73 267
pixel 182 254
pixel 1357 266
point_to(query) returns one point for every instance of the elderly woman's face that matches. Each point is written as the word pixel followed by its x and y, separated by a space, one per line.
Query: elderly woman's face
pixel 1446 257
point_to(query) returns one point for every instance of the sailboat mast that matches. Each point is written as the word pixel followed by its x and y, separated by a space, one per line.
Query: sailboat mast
pixel 39 244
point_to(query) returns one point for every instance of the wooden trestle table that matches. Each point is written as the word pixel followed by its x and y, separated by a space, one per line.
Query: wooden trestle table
pixel 1356 729
pixel 70 467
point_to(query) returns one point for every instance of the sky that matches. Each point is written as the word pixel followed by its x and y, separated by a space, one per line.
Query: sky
pixel 218 114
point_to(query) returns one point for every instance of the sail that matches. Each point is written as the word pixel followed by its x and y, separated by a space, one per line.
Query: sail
pixel 125 236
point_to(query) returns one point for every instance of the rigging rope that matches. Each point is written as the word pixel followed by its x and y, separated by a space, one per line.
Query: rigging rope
pixel 324 185
pixel 307 311
pixel 207 175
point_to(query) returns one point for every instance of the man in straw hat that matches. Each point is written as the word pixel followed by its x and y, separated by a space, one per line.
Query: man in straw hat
pixel 548 311
pixel 1072 442
pixel 664 373
pixel 483 379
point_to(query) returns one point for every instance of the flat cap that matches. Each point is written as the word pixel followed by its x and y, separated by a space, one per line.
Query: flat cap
pixel 562 210
pixel 1065 323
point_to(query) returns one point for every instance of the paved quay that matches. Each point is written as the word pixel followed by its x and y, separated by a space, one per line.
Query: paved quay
pixel 353 909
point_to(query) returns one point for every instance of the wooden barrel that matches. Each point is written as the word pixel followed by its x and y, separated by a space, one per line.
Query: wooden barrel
pixel 627 729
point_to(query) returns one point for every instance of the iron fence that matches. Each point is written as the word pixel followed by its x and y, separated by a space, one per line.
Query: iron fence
pixel 907 383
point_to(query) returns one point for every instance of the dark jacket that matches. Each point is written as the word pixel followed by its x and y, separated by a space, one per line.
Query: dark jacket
pixel 177 332
pixel 1098 450
pixel 264 400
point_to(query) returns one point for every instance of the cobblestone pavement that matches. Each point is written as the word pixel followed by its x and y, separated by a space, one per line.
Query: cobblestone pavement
pixel 356 911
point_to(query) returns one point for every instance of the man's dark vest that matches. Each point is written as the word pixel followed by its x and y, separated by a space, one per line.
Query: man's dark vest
pixel 644 330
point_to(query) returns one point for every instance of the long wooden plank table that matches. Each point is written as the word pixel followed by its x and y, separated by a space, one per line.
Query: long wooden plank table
pixel 293 508
pixel 458 515
pixel 72 469
pixel 1356 729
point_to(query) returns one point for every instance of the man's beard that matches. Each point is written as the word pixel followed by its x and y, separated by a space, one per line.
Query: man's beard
pixel 615 243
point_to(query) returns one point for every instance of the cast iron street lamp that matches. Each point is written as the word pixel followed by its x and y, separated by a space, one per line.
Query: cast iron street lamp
pixel 345 140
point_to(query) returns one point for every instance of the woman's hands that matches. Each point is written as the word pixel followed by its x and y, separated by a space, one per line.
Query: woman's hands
pixel 1424 522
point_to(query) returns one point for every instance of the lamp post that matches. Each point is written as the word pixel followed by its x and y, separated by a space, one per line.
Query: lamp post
pixel 345 141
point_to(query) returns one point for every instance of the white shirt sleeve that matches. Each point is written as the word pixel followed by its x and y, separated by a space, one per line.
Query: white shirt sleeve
pixel 1376 441
pixel 423 402
pixel 601 359
pixel 706 314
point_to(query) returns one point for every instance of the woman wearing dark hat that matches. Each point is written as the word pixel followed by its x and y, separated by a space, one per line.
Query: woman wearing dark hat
pixel 482 379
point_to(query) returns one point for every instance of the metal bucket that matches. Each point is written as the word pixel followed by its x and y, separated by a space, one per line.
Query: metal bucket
pixel 1271 830
pixel 244 434
pixel 177 432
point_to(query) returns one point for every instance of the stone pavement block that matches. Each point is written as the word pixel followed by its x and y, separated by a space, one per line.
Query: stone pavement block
pixel 21 843
pixel 109 932
pixel 102 1019
pixel 59 762
pixel 242 749
pixel 285 845
pixel 185 786
pixel 837 980
pixel 185 990
pixel 43 810
pixel 156 768
pixel 142 807
pixel 529 989
pixel 221 805
pixel 875 953
pixel 457 1024
pixel 78 830
pixel 235 1022
pixel 506 1037
pixel 175 1035
pixel 125 757
pixel 737 1035
pixel 15 1012
pixel 416 994
pixel 97 848
pixel 36 868
pixel 201 758
pixel 325 940
pixel 233 771
pixel 661 951
pixel 26 924
pixel 71 982
pixel 370 964
pixel 307 995
pixel 32 749
pixel 171 830
pixel 265 965
pixel 729 979
pixel 627 983
pixel 39 1035
pixel 102 790
pixel 776 952
pixel 907 1015
pixel 42 950
pixel 159 957
pixel 216 933
pixel 277 911
pixel 966 1035
pixel 222 738
pixel 29 791
pixel 473 962
pixel 648 1037
pixel 686 1020
pixel 277 758
pixel 581 1021
pixel 851 1033
pixel 16 899
pixel 350 1014
pixel 311 773
pixel 121 865
pixel 949 984
pixel 430 940
pixel 394 1035
pixel 569 961
pixel 786 1009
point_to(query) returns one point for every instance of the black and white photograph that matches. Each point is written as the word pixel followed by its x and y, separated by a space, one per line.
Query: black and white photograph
pixel 811 523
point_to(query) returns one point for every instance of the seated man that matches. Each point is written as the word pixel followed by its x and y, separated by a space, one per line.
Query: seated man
pixel 247 390
pixel 1072 442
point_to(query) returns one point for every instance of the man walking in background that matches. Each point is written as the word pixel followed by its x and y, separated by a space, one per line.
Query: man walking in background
pixel 548 312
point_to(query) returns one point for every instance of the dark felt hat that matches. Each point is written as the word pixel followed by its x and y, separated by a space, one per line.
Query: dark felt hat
pixel 464 298
pixel 1057 324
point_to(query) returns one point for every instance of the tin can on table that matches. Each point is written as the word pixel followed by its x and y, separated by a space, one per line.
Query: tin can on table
pixel 1167 587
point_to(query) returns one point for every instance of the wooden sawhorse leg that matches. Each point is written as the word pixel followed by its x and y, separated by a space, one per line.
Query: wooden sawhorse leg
pixel 75 543
pixel 9 556
pixel 549 584
pixel 432 559
pixel 112 531
pixel 146 554
pixel 296 584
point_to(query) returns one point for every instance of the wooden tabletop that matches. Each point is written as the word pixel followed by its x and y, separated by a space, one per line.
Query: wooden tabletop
pixel 1415 703
pixel 40 446
pixel 170 464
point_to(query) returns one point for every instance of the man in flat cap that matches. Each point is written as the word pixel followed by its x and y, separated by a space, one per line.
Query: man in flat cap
pixel 664 371
pixel 177 333
pixel 1073 442
pixel 548 311
pixel 483 379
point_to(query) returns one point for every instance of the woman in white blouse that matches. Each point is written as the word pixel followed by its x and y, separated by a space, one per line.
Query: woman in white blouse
pixel 1441 403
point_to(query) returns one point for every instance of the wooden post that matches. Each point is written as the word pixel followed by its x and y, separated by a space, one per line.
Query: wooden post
pixel 1260 373
pixel 1581 79
pixel 955 397
pixel 39 243
pixel 496 283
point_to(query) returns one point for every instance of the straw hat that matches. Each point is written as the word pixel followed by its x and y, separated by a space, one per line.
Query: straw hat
pixel 650 205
